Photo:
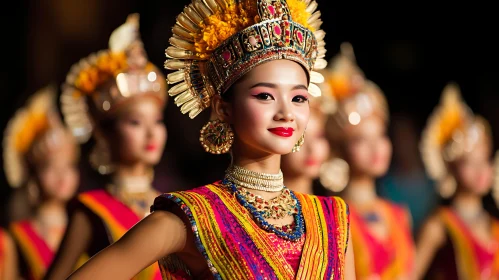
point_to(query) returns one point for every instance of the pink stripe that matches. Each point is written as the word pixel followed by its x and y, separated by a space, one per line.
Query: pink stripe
pixel 119 211
pixel 42 248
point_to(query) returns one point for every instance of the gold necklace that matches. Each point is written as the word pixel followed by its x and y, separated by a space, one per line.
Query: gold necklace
pixel 276 208
pixel 254 180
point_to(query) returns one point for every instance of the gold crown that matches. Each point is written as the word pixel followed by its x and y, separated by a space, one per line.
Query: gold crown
pixel 215 42
pixel 109 78
pixel 348 95
pixel 36 122
pixel 451 131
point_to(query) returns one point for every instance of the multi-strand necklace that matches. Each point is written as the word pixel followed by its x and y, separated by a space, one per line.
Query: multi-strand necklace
pixel 239 180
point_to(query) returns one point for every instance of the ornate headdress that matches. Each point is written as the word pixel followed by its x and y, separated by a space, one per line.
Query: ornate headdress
pixel 100 83
pixel 348 98
pixel 34 131
pixel 451 131
pixel 109 78
pixel 216 42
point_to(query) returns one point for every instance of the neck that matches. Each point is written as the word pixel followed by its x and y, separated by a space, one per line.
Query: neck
pixel 361 190
pixel 52 212
pixel 467 204
pixel 300 184
pixel 133 178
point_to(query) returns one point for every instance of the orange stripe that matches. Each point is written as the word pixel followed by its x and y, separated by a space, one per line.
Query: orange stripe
pixel 117 230
pixel 29 250
pixel 465 261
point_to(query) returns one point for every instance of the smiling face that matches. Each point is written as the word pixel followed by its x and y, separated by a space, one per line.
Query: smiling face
pixel 268 108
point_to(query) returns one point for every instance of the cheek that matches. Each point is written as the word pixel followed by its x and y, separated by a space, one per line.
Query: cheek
pixel 358 153
pixel 131 138
pixel 251 117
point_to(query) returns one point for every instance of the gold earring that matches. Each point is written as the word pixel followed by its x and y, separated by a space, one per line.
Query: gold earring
pixel 447 187
pixel 100 158
pixel 298 144
pixel 216 137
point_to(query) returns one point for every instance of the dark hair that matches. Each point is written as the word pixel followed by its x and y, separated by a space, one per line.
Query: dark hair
pixel 228 96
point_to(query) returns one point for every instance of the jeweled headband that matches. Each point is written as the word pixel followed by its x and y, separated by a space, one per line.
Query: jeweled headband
pixel 451 131
pixel 110 78
pixel 35 130
pixel 216 42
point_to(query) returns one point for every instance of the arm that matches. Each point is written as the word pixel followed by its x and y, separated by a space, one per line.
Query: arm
pixel 75 243
pixel 432 237
pixel 349 261
pixel 159 234
pixel 10 265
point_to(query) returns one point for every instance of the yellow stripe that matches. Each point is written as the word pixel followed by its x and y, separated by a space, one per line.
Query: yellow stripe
pixel 35 261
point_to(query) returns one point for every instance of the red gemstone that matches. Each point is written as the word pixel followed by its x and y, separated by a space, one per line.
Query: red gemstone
pixel 300 36
pixel 284 228
pixel 277 30
pixel 226 55
pixel 271 9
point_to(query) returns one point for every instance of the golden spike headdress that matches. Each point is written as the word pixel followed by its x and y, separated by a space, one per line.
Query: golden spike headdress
pixel 348 95
pixel 108 79
pixel 216 42
pixel 34 131
pixel 451 131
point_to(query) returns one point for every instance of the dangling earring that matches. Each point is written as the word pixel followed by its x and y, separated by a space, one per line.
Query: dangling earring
pixel 216 137
pixel 33 193
pixel 447 187
pixel 334 174
pixel 100 158
pixel 298 144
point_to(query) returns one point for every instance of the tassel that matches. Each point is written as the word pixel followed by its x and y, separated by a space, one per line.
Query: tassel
pixel 189 106
pixel 182 44
pixel 315 16
pixel 183 98
pixel 176 77
pixel 316 77
pixel 175 64
pixel 320 64
pixel 178 89
pixel 316 24
pixel 195 112
pixel 202 9
pixel 320 34
pixel 191 13
pixel 312 6
pixel 186 23
pixel 182 33
pixel 214 6
pixel 174 52
pixel 314 90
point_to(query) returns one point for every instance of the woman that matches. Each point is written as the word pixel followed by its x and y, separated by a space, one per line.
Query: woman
pixel 248 226
pixel 119 96
pixel 361 153
pixel 40 156
pixel 8 257
pixel 302 169
pixel 459 241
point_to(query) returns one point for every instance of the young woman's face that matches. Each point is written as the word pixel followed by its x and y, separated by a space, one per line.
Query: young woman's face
pixel 140 133
pixel 270 109
pixel 314 152
pixel 368 149
pixel 58 174
pixel 473 171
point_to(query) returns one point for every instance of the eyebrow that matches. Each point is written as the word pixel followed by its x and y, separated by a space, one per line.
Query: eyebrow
pixel 270 85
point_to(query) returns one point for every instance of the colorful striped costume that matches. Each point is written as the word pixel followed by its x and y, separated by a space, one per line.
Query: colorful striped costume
pixel 464 257
pixel 118 219
pixel 386 259
pixel 235 247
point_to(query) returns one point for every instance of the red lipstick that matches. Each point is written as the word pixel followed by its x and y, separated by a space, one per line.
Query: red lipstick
pixel 150 147
pixel 282 131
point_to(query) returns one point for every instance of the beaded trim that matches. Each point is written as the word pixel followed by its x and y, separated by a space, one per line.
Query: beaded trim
pixel 255 180
pixel 298 230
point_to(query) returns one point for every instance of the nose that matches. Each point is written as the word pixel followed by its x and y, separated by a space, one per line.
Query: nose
pixel 284 113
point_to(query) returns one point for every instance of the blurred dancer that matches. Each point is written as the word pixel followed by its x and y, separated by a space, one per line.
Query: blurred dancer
pixel 302 169
pixel 8 257
pixel 361 153
pixel 460 241
pixel 253 63
pixel 119 96
pixel 40 155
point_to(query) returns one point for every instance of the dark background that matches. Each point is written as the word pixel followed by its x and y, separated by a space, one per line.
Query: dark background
pixel 411 51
